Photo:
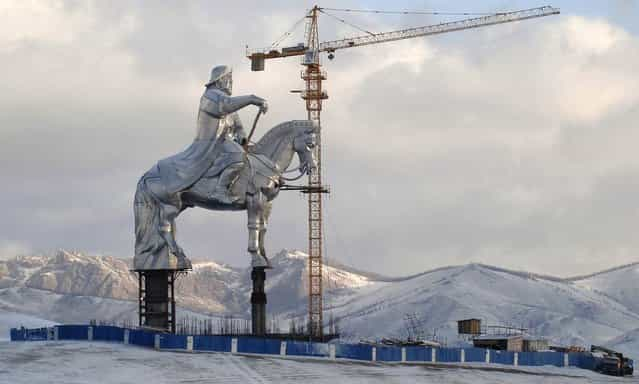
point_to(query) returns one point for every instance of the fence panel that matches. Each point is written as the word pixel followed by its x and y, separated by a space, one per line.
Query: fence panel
pixel 475 354
pixel 138 337
pixel 304 348
pixel 73 332
pixel 258 345
pixel 541 358
pixel 449 355
pixel 26 334
pixel 389 354
pixel 108 333
pixel 172 341
pixel 17 334
pixel 354 351
pixel 418 353
pixel 502 357
pixel 582 360
pixel 212 343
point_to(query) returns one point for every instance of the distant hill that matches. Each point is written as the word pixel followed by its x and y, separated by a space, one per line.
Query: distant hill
pixel 600 308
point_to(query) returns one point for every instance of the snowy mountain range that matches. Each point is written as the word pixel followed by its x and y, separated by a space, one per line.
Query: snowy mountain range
pixel 602 308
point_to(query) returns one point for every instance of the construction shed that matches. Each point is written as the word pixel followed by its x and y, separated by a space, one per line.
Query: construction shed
pixel 535 345
pixel 469 327
pixel 513 343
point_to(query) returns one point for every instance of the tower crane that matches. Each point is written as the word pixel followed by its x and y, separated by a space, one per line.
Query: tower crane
pixel 314 94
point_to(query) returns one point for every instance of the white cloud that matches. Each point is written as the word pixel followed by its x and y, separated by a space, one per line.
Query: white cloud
pixel 506 145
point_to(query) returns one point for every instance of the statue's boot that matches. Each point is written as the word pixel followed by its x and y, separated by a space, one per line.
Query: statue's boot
pixel 222 192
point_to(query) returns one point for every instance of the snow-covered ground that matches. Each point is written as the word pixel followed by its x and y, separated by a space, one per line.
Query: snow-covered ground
pixel 85 362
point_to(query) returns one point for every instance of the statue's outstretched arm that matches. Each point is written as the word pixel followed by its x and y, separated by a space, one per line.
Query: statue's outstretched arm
pixel 232 104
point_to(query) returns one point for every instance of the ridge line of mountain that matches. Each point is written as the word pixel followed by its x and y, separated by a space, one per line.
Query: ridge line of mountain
pixel 374 276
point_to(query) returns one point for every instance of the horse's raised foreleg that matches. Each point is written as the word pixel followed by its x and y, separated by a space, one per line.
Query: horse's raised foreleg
pixel 254 209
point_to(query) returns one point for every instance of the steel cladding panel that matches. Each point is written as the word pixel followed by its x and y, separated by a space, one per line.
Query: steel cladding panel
pixel 502 357
pixel 581 360
pixel 212 343
pixel 541 358
pixel 418 353
pixel 528 358
pixel 303 348
pixel 448 355
pixel 108 333
pixel 137 337
pixel 73 332
pixel 354 351
pixel 172 341
pixel 17 335
pixel 389 354
pixel 475 354
pixel 258 345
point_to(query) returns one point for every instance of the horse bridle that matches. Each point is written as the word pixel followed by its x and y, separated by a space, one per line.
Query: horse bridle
pixel 274 169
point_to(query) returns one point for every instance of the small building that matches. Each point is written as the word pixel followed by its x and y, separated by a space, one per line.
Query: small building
pixel 535 345
pixel 469 327
pixel 512 343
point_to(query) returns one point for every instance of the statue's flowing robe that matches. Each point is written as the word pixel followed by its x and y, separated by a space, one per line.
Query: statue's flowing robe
pixel 214 138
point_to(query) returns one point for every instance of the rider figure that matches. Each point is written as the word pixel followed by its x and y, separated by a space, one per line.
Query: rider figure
pixel 218 121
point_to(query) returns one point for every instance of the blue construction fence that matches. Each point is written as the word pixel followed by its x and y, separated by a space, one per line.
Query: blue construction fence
pixel 256 345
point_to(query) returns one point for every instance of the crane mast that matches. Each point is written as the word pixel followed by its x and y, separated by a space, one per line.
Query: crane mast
pixel 314 94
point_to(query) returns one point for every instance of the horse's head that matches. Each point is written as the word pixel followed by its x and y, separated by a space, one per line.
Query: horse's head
pixel 304 145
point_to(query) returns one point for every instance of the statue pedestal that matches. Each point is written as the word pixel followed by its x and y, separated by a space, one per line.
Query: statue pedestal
pixel 156 297
pixel 258 301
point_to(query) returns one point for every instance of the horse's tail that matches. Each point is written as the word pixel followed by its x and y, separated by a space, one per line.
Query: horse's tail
pixel 147 216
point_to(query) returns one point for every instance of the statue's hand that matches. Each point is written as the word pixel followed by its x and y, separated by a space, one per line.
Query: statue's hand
pixel 260 103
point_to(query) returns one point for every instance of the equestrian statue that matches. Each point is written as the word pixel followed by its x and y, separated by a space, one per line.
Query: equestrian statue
pixel 220 170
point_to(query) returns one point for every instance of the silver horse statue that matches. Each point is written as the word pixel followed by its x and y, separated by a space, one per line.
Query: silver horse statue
pixel 218 171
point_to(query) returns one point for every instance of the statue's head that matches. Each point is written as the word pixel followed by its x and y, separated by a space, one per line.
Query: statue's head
pixel 221 78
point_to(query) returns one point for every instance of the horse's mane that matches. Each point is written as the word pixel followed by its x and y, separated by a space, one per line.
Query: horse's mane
pixel 274 134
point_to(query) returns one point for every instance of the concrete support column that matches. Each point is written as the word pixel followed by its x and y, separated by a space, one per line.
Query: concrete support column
pixel 462 358
pixel 374 354
pixel 258 302
pixel 156 342
pixel 90 333
pixel 516 360
pixel 234 345
pixel 331 351
pixel 488 356
pixel 566 360
pixel 403 354
pixel 56 333
pixel 433 355
pixel 126 336
pixel 189 343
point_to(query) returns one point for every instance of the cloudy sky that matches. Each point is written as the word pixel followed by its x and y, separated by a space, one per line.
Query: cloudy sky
pixel 513 145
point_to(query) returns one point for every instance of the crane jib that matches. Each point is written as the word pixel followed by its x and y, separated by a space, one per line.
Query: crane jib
pixel 257 56
pixel 477 22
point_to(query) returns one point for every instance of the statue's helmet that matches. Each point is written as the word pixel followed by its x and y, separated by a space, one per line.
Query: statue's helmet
pixel 219 73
